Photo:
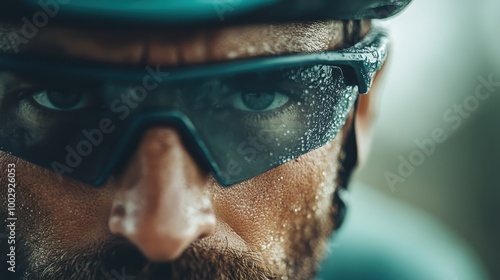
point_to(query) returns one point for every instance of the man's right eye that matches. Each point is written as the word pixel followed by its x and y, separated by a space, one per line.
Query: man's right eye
pixel 61 100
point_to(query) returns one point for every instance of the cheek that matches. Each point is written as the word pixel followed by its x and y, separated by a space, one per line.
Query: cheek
pixel 54 215
pixel 282 206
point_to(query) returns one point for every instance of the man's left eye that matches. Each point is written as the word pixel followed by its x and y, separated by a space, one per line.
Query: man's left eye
pixel 61 100
pixel 259 101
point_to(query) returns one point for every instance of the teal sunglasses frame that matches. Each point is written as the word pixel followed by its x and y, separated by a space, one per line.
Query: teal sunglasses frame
pixel 359 64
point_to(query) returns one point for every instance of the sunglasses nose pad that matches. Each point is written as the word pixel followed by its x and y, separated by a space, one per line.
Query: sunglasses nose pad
pixel 175 120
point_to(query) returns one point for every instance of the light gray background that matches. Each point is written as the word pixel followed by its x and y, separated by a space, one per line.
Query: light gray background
pixel 439 49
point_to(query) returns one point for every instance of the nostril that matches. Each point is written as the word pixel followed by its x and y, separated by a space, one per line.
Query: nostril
pixel 203 235
pixel 118 211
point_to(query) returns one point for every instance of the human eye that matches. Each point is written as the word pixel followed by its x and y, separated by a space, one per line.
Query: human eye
pixel 259 101
pixel 51 107
pixel 59 100
pixel 36 110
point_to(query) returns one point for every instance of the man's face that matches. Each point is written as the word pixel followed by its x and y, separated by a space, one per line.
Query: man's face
pixel 165 217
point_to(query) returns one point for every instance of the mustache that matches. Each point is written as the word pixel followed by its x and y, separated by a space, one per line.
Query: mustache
pixel 125 262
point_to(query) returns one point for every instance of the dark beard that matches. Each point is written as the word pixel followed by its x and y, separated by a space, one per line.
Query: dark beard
pixel 126 263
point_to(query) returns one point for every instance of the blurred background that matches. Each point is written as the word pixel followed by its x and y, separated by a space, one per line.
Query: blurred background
pixel 442 214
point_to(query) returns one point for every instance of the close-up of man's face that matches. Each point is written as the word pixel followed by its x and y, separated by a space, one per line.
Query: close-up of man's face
pixel 163 213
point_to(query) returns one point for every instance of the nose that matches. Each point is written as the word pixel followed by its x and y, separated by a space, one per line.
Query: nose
pixel 162 204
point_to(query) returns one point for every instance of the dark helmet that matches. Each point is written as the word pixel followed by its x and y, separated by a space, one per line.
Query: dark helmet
pixel 186 13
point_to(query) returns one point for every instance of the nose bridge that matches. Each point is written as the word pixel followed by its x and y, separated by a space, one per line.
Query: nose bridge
pixel 172 119
pixel 162 204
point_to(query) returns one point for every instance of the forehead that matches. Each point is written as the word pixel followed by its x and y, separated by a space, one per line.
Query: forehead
pixel 174 46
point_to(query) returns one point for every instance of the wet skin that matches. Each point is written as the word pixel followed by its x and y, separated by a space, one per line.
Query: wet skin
pixel 165 214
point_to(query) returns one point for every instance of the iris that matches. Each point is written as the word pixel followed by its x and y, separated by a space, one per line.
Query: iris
pixel 258 101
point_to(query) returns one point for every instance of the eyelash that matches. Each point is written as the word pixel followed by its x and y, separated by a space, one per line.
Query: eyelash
pixel 27 105
pixel 256 117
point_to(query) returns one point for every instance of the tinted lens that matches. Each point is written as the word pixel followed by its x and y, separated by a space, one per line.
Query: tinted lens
pixel 239 125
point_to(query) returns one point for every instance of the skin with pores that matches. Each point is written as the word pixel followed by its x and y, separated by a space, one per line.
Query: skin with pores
pixel 165 216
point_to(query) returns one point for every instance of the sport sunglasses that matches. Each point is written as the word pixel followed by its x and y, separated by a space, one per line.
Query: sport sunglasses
pixel 238 119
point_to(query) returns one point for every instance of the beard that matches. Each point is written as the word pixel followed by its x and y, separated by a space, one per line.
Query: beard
pixel 124 262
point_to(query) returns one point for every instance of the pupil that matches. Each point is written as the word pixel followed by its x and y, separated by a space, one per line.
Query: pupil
pixel 258 101
pixel 64 100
